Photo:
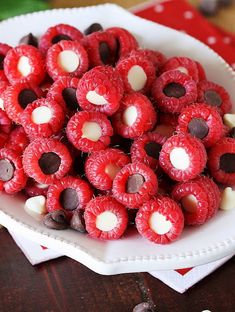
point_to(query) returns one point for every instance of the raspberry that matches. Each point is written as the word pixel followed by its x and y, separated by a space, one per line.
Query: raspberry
pixel 221 161
pixel 105 218
pixel 4 48
pixel 12 176
pixel 183 157
pixel 63 91
pixel 68 194
pixel 66 58
pixel 5 122
pixel 3 139
pixel 24 64
pixel 166 125
pixel 138 73
pixel 203 122
pixel 147 148
pixel 57 33
pixel 4 83
pixel 201 71
pixel 160 220
pixel 134 184
pixel 183 64
pixel 101 47
pixel 173 91
pixel 17 97
pixel 33 188
pixel 214 95
pixel 46 160
pixel 100 90
pixel 17 140
pixel 89 131
pixel 135 116
pixel 101 167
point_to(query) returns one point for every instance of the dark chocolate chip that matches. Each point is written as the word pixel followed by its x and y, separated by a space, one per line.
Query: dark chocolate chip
pixel 208 7
pixel 227 163
pixel 77 222
pixel 6 170
pixel 212 98
pixel 153 149
pixel 29 39
pixel 232 133
pixel 56 220
pixel 223 3
pixel 49 163
pixel 142 307
pixel 104 52
pixel 198 128
pixel 69 96
pixel 93 28
pixel 1 60
pixel 69 199
pixel 60 37
pixel 134 183
pixel 175 90
pixel 26 97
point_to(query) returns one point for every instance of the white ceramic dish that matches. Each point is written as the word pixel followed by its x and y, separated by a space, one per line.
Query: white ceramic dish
pixel 197 245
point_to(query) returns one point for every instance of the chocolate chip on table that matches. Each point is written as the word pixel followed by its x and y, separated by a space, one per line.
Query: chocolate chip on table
pixel 6 170
pixel 49 162
pixel 104 52
pixel 69 96
pixel 134 183
pixel 77 222
pixel 232 133
pixel 1 61
pixel 198 127
pixel 175 90
pixel 212 98
pixel 29 39
pixel 60 37
pixel 69 199
pixel 93 28
pixel 153 149
pixel 208 7
pixel 142 307
pixel 227 163
pixel 56 220
pixel 26 97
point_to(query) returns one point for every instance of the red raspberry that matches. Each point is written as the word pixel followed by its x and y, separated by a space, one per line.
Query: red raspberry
pixel 101 47
pixel 214 95
pixel 89 131
pixel 138 73
pixel 173 91
pixel 203 122
pixel 160 220
pixel 4 83
pixel 166 124
pixel 63 91
pixel 100 90
pixel 184 65
pixel 24 64
pixel 147 148
pixel 3 139
pixel 221 161
pixel 4 48
pixel 201 71
pixel 68 194
pixel 135 116
pixel 57 33
pixel 17 140
pixel 5 122
pixel 183 157
pixel 134 184
pixel 101 167
pixel 66 58
pixel 46 160
pixel 33 188
pixel 105 218
pixel 12 176
pixel 17 97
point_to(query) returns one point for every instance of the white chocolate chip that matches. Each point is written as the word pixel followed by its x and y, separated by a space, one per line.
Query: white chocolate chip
pixel 36 206
pixel 106 221
pixel 1 104
pixel 111 170
pixel 189 203
pixel 95 98
pixel 182 70
pixel 228 199
pixel 137 77
pixel 23 66
pixel 130 115
pixel 229 120
pixel 41 115
pixel 68 60
pixel 92 131
pixel 179 158
pixel 159 224
pixel 164 130
pixel 42 186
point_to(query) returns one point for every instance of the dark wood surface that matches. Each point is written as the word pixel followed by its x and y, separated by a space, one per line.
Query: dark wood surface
pixel 65 285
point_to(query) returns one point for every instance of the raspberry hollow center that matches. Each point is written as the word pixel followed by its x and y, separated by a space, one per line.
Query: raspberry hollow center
pixel 91 131
pixel 179 158
pixel 69 199
pixel 159 224
pixel 60 37
pixel 106 221
pixel 137 77
pixel 130 115
pixel 111 170
pixel 189 203
pixel 6 170
pixel 49 163
pixel 175 90
pixel 24 66
pixel 68 60
pixel 134 183
pixel 41 115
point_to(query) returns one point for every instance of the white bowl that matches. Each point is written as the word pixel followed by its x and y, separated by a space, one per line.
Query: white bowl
pixel 132 253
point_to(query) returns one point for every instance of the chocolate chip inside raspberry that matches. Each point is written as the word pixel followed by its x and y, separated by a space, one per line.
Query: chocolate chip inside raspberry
pixel 153 149
pixel 29 39
pixel 49 163
pixel 104 52
pixel 26 96
pixel 175 90
pixel 198 128
pixel 212 98
pixel 134 183
pixel 69 96
pixel 69 199
pixel 60 37
pixel 6 170
pixel 93 28
pixel 1 61
pixel 227 163
pixel 232 132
